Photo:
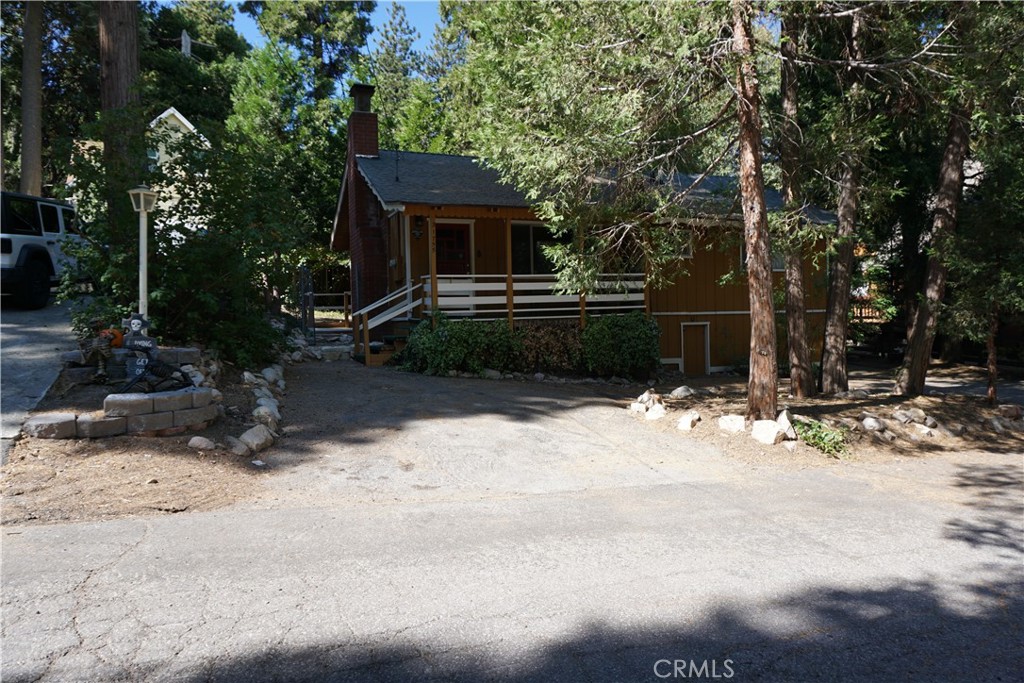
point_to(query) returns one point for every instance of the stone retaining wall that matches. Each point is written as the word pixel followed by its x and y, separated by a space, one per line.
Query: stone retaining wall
pixel 162 413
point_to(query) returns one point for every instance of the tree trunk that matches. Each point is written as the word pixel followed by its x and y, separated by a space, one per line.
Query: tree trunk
pixel 990 347
pixel 122 130
pixel 762 388
pixel 911 376
pixel 32 101
pixel 801 377
pixel 837 321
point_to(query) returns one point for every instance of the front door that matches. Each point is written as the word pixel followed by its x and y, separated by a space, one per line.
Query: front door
pixel 453 249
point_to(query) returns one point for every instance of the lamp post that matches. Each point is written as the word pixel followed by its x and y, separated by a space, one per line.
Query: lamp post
pixel 143 199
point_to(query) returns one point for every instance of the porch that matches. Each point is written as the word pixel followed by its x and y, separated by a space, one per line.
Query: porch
pixel 380 329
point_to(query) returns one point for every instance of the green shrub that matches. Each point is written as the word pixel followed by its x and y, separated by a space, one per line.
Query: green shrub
pixel 829 440
pixel 621 345
pixel 554 346
pixel 461 345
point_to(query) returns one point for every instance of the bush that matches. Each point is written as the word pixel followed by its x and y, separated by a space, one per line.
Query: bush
pixel 828 440
pixel 621 345
pixel 554 346
pixel 461 345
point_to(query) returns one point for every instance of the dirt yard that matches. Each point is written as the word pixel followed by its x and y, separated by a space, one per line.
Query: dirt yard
pixel 49 481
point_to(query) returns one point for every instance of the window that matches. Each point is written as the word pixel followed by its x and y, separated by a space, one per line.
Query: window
pixel 528 242
pixel 70 221
pixel 778 260
pixel 20 216
pixel 50 217
pixel 152 160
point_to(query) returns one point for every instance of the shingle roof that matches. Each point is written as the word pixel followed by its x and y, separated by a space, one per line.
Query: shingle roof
pixel 439 179
pixel 716 194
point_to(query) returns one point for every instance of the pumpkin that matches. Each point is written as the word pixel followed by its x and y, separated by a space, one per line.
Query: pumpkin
pixel 116 337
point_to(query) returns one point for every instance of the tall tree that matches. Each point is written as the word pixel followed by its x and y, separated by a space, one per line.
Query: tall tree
pixel 327 35
pixel 32 100
pixel 395 65
pixel 762 387
pixel 801 376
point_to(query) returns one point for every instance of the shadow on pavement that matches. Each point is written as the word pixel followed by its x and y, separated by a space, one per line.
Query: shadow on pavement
pixel 998 496
pixel 904 633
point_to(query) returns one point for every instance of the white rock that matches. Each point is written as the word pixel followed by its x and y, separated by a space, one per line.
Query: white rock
pixel 257 438
pixel 201 443
pixel 997 425
pixel 637 407
pixel 655 412
pixel 785 422
pixel 649 398
pixel 271 374
pixel 538 377
pixel 262 392
pixel 1010 411
pixel 768 432
pixel 197 378
pixel 872 424
pixel 258 463
pixel 187 368
pixel 264 411
pixel 296 356
pixel 217 396
pixel 272 402
pixel 732 423
pixel 924 431
pixel 491 374
pixel 235 446
pixel 281 385
pixel 682 392
pixel 688 421
pixel 931 422
pixel 789 445
pixel 248 377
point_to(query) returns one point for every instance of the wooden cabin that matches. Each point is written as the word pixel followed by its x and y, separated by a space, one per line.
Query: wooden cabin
pixel 435 232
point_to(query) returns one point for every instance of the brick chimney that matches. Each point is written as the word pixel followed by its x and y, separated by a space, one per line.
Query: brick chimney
pixel 362 124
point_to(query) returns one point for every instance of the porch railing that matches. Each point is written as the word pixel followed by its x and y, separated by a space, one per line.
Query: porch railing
pixel 379 312
pixel 533 296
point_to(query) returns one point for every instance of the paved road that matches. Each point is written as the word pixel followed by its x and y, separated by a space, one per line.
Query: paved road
pixel 461 530
pixel 30 347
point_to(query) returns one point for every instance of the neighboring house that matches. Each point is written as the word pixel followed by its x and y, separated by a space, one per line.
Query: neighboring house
pixel 440 232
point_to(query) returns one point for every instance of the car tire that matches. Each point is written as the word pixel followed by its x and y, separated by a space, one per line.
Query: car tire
pixel 35 291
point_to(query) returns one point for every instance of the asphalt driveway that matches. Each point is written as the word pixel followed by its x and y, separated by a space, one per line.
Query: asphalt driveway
pixel 431 529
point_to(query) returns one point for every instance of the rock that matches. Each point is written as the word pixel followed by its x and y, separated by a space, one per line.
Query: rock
pixel 655 412
pixel 997 425
pixel 917 415
pixel 873 424
pixel 733 424
pixel 187 368
pixel 1009 411
pixel 955 429
pixel 789 445
pixel 296 356
pixel 258 463
pixel 538 377
pixel 248 377
pixel 282 385
pixel 491 374
pixel 51 426
pixel 930 422
pixel 682 392
pixel 786 425
pixel 217 396
pixel 902 416
pixel 265 411
pixel 885 435
pixel 262 392
pixel 649 398
pixel 235 446
pixel 257 438
pixel 271 374
pixel 638 407
pixel 201 443
pixel 153 481
pixel 271 402
pixel 618 380
pixel 197 378
pixel 688 421
pixel 768 432
pixel 857 393
pixel 924 431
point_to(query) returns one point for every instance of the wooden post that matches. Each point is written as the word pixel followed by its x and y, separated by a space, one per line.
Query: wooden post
pixel 366 337
pixel 510 292
pixel 583 310
pixel 432 231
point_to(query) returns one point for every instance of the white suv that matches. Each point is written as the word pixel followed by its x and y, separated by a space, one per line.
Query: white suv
pixel 33 229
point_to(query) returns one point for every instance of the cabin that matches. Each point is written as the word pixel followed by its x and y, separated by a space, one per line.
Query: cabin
pixel 435 232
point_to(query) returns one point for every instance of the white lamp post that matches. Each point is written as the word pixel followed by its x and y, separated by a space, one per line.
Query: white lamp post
pixel 143 199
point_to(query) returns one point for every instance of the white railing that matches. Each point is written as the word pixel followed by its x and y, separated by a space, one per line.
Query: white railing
pixel 382 311
pixel 533 296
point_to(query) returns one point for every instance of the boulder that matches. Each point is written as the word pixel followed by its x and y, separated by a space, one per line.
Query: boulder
pixel 768 432
pixel 248 377
pixel 538 377
pixel 902 416
pixel 655 412
pixel 271 375
pixel 271 402
pixel 491 374
pixel 201 443
pixel 235 446
pixel 258 438
pixel 997 425
pixel 916 415
pixel 924 431
pixel 872 424
pixel 682 392
pixel 733 424
pixel 1009 411
pixel 261 412
pixel 930 422
pixel 688 421
pixel 296 356
pixel 786 425
pixel 638 407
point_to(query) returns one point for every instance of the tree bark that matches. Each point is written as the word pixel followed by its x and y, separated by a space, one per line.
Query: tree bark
pixel 990 347
pixel 762 388
pixel 911 376
pixel 837 308
pixel 801 377
pixel 32 101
